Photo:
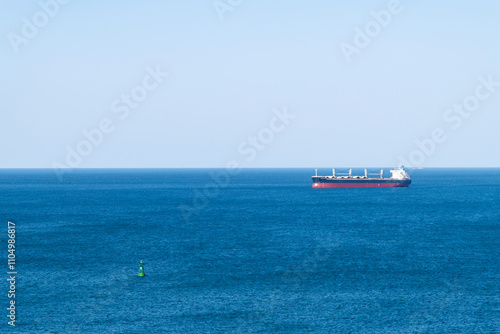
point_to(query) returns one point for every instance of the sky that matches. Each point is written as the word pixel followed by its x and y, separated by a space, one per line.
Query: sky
pixel 204 83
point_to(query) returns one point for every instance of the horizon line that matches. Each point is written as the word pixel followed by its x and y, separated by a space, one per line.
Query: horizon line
pixel 85 168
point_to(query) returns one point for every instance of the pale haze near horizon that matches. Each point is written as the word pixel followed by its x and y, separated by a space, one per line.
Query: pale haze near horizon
pixel 227 79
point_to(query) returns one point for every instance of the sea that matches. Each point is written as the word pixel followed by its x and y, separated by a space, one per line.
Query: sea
pixel 249 251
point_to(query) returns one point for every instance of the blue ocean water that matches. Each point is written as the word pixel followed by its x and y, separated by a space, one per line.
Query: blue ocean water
pixel 258 252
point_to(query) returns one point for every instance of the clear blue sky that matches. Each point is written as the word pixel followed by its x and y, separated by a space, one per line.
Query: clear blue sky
pixel 227 76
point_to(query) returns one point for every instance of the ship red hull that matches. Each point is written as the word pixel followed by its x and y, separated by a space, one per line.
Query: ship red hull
pixel 321 185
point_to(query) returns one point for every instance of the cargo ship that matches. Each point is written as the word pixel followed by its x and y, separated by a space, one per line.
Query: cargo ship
pixel 399 178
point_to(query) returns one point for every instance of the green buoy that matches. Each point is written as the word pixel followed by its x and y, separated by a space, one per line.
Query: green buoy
pixel 141 269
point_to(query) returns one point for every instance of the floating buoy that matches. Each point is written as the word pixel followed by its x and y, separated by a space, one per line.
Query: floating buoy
pixel 141 269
